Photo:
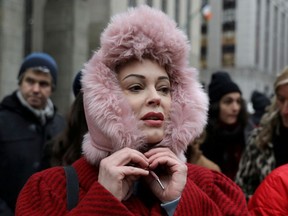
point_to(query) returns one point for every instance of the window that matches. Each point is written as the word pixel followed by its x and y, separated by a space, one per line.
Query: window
pixel 132 3
pixel 28 23
pixel 149 2
pixel 275 38
pixel 267 34
pixel 164 5
pixel 257 35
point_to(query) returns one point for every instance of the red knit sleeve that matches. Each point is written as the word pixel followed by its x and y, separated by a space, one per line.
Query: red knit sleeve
pixel 45 194
pixel 39 198
pixel 210 193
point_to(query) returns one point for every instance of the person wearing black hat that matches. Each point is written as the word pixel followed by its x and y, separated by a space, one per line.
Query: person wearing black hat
pixel 28 118
pixel 227 119
pixel 259 101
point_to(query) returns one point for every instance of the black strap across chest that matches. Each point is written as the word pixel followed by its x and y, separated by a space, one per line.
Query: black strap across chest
pixel 72 187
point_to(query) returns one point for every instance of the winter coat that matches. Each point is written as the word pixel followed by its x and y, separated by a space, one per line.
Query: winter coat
pixel 254 166
pixel 206 193
pixel 256 163
pixel 270 198
pixel 22 139
pixel 224 147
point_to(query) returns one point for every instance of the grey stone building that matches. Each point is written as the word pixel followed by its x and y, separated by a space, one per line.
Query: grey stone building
pixel 249 39
pixel 69 30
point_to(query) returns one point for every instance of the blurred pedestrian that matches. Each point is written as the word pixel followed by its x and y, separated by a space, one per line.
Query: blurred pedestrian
pixel 259 102
pixel 267 147
pixel 227 122
pixel 28 119
pixel 143 105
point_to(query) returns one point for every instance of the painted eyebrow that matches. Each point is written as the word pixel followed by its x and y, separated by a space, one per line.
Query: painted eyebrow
pixel 143 77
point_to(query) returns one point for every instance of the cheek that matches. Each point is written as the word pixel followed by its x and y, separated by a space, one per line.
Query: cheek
pixel 24 90
pixel 223 113
pixel 135 104
pixel 283 107
pixel 222 116
pixel 239 107
pixel 47 92
pixel 168 108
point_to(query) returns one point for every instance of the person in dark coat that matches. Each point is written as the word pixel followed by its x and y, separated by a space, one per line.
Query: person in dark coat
pixel 28 119
pixel 259 101
pixel 227 122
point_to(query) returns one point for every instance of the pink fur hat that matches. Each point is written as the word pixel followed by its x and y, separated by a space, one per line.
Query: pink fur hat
pixel 140 33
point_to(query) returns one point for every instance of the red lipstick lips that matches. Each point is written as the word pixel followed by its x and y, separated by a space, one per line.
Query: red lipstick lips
pixel 153 116
pixel 153 119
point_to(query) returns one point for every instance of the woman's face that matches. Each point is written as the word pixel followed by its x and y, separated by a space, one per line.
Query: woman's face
pixel 147 87
pixel 230 105
pixel 282 103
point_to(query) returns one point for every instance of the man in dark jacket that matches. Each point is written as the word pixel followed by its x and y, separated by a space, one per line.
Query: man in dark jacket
pixel 28 119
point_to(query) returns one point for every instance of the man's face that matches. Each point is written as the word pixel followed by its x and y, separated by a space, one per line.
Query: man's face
pixel 36 88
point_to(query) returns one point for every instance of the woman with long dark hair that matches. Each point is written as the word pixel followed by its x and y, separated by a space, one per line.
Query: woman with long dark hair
pixel 227 122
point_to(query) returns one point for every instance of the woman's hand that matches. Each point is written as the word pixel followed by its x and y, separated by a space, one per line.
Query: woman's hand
pixel 171 171
pixel 117 172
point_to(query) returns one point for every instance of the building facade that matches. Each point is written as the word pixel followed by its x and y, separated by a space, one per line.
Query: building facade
pixel 69 30
pixel 249 39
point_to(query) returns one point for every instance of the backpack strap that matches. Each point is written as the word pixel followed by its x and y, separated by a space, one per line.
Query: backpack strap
pixel 72 187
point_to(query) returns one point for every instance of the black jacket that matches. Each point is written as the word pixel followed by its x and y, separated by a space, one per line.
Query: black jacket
pixel 22 139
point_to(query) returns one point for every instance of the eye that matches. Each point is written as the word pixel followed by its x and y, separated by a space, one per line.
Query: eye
pixel 280 99
pixel 29 81
pixel 44 84
pixel 165 90
pixel 227 101
pixel 135 88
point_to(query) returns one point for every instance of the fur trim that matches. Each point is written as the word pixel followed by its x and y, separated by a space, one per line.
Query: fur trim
pixel 140 33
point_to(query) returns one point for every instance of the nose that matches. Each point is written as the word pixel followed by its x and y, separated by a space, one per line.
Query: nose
pixel 236 106
pixel 36 87
pixel 153 97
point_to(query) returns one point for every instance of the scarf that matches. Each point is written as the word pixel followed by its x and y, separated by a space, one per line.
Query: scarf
pixel 41 114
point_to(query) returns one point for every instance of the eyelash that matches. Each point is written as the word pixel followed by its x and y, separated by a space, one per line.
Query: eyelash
pixel 136 88
pixel 165 90
pixel 231 101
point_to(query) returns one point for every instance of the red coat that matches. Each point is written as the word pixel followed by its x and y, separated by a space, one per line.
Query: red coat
pixel 271 197
pixel 206 193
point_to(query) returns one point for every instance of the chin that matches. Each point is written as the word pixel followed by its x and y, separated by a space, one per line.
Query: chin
pixel 154 138
pixel 231 121
pixel 153 135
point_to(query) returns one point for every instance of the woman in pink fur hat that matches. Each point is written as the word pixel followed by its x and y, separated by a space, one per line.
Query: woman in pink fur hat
pixel 143 106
